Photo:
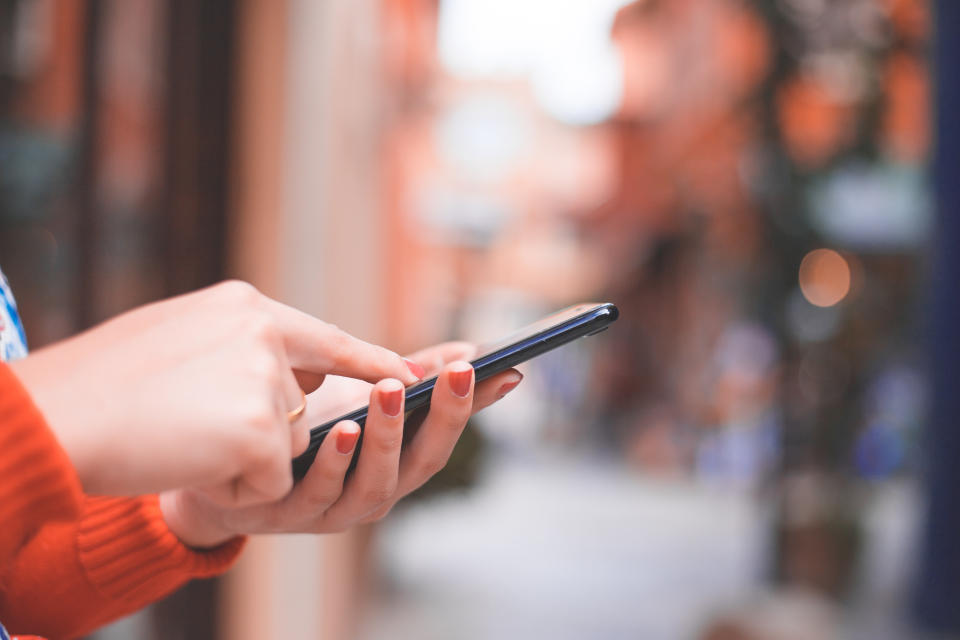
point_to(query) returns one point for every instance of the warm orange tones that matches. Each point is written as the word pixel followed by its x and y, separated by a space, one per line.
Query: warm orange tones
pixel 71 563
pixel 815 123
pixel 824 277
pixel 906 119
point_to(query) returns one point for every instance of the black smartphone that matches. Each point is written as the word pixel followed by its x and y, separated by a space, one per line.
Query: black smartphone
pixel 544 335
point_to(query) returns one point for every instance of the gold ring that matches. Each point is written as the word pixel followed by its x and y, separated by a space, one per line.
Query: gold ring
pixel 296 413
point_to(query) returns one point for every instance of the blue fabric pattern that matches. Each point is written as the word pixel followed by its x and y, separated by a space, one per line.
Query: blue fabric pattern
pixel 13 341
pixel 13 344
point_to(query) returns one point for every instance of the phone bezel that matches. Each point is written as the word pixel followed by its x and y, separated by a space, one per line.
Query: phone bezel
pixel 594 318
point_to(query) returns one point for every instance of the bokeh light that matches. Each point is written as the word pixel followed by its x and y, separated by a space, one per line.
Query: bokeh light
pixel 748 180
pixel 824 277
pixel 563 49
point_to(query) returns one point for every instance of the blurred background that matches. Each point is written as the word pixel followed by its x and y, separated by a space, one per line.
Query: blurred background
pixel 739 457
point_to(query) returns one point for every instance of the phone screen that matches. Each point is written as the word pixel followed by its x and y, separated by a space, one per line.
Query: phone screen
pixel 521 335
pixel 539 337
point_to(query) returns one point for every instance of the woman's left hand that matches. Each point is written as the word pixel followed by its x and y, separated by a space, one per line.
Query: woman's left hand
pixel 327 500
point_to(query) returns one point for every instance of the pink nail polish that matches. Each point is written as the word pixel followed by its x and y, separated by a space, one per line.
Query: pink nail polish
pixel 508 387
pixel 415 369
pixel 391 401
pixel 346 441
pixel 460 382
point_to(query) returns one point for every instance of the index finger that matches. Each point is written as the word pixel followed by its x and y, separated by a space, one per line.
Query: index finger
pixel 315 346
pixel 434 358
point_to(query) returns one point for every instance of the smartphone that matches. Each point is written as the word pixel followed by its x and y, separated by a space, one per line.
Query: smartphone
pixel 544 335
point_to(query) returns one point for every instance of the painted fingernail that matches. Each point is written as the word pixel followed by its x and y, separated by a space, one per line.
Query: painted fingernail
pixel 509 386
pixel 460 382
pixel 347 440
pixel 415 369
pixel 391 400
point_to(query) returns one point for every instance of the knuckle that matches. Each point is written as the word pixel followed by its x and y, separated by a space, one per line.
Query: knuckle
pixel 331 476
pixel 386 446
pixel 262 328
pixel 338 345
pixel 455 421
pixel 239 292
pixel 260 413
pixel 325 491
pixel 379 494
pixel 319 499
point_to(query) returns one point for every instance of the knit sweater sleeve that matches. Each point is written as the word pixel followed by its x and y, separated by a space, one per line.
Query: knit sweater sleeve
pixel 118 557
pixel 37 482
pixel 70 563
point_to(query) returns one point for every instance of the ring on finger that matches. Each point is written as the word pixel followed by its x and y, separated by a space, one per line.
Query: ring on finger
pixel 296 413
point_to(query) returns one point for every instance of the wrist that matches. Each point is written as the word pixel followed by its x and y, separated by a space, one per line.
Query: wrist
pixel 187 520
pixel 64 416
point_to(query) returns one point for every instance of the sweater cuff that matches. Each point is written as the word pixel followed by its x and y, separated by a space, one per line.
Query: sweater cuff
pixel 126 548
pixel 39 484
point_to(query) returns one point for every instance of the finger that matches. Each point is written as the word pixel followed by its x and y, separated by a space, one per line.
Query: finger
pixel 299 436
pixel 495 388
pixel 374 481
pixel 268 484
pixel 270 477
pixel 314 345
pixel 267 481
pixel 433 358
pixel 450 408
pixel 308 380
pixel 323 484
pixel 294 401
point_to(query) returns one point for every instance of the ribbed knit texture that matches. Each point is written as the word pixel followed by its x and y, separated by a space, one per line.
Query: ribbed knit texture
pixel 71 563
pixel 126 548
pixel 37 481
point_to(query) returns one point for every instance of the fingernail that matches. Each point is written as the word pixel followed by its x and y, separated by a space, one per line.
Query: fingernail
pixel 347 440
pixel 509 386
pixel 391 400
pixel 460 382
pixel 415 369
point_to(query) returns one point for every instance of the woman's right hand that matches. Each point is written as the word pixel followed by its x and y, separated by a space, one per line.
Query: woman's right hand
pixel 195 391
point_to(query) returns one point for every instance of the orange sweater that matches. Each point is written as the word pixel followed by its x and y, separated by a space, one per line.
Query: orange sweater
pixel 70 563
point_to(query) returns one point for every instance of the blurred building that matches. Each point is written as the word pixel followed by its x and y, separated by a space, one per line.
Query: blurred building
pixel 744 178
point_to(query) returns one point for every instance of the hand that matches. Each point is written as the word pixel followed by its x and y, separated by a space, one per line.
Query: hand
pixel 327 500
pixel 194 391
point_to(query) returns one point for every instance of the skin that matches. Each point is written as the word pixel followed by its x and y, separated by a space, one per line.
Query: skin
pixel 189 397
pixel 327 500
